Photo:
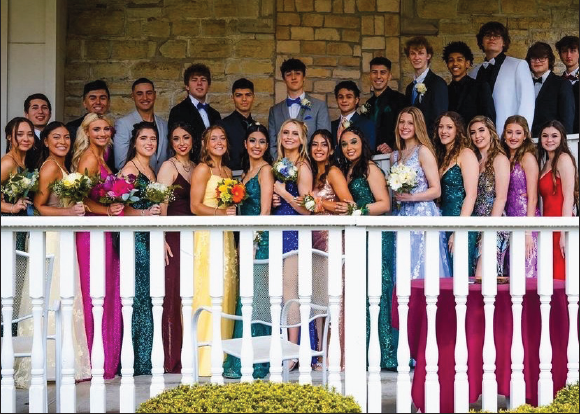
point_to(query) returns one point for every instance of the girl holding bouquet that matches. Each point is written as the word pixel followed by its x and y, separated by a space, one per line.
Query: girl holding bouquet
pixel 493 181
pixel 142 147
pixel 176 171
pixel 204 202
pixel 93 138
pixel 258 179
pixel 367 185
pixel 415 151
pixel 458 168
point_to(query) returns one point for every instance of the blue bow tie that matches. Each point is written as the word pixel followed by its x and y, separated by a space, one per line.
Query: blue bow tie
pixel 201 105
pixel 290 101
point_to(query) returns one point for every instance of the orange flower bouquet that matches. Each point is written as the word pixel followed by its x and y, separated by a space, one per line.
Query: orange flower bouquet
pixel 230 192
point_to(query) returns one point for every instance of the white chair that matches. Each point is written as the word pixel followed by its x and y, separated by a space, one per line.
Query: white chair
pixel 22 345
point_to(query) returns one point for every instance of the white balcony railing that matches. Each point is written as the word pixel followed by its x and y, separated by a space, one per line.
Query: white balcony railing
pixel 362 239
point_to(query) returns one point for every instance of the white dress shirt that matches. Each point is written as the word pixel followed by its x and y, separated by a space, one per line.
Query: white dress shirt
pixel 202 112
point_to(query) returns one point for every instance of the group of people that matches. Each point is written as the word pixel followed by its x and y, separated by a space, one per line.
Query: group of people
pixel 446 134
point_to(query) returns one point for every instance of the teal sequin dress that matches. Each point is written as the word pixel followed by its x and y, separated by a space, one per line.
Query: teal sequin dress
pixel 232 365
pixel 453 195
pixel 388 337
pixel 142 321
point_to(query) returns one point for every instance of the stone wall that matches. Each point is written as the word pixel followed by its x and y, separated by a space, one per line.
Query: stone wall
pixel 121 40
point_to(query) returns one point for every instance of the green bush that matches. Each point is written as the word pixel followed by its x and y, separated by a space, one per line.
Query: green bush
pixel 258 397
pixel 566 401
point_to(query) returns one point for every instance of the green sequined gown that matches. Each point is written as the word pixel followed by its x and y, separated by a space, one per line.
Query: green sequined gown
pixel 453 195
pixel 388 336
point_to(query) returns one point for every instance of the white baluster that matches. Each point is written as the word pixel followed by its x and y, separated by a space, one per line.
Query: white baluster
pixel 217 295
pixel 275 293
pixel 305 293
pixel 68 278
pixel 374 294
pixel 36 274
pixel 127 290
pixel 187 294
pixel 97 278
pixel 335 292
pixel 355 313
pixel 432 290
pixel 403 290
pixel 517 291
pixel 8 256
pixel 572 290
pixel 545 291
pixel 246 296
pixel 461 387
pixel 489 289
pixel 157 293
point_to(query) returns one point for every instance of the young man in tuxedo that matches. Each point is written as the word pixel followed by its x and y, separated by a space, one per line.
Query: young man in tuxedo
pixel 428 92
pixel 347 95
pixel 238 121
pixel 568 48
pixel 37 109
pixel 465 95
pixel 384 106
pixel 194 110
pixel 554 96
pixel 298 104
pixel 508 77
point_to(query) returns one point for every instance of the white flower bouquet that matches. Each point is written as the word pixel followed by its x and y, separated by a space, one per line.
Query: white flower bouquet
pixel 402 179
pixel 159 193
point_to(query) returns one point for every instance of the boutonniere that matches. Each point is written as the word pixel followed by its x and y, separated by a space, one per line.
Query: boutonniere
pixel 305 103
pixel 365 109
pixel 346 124
pixel 421 88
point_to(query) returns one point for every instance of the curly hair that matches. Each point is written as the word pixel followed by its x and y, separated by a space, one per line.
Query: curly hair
pixel 493 28
pixel 527 145
pixel 461 141
pixel 326 134
pixel 361 165
pixel 458 47
pixel 303 150
pixel 82 141
pixel 195 151
pixel 419 126
pixel 204 154
pixel 495 147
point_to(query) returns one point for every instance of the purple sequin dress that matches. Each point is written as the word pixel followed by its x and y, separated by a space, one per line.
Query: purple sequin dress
pixel 516 206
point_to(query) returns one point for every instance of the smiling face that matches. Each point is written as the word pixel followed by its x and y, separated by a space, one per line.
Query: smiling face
pixel 480 135
pixel 457 65
pixel 514 136
pixel 290 137
pixel 550 139
pixel 256 144
pixel 351 146
pixel 217 143
pixel 347 101
pixel 181 141
pixel 146 142
pixel 38 113
pixel 419 58
pixel 23 137
pixel 58 142
pixel 97 102
pixel 539 66
pixel 406 127
pixel 198 87
pixel 447 131
pixel 380 76
pixel 144 96
pixel 99 133
pixel 295 81
pixel 320 149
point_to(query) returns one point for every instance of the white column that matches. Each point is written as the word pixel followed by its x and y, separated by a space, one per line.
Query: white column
pixel 157 293
pixel 403 291
pixel 374 294
pixel 517 291
pixel 335 263
pixel 127 289
pixel 572 290
pixel 432 290
pixel 217 294
pixel 305 280
pixel 8 256
pixel 275 293
pixel 461 387
pixel 545 291
pixel 187 294
pixel 246 297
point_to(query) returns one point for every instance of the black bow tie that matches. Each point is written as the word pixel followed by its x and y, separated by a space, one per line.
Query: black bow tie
pixel 570 77
pixel 538 80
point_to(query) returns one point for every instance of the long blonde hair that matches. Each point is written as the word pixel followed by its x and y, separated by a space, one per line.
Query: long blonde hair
pixel 527 145
pixel 303 150
pixel 82 141
pixel 204 154
pixel 419 129
pixel 495 147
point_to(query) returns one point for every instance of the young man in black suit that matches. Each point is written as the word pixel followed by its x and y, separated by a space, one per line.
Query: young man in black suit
pixel 194 110
pixel 238 121
pixel 347 95
pixel 428 92
pixel 568 48
pixel 465 95
pixel 554 96
pixel 384 106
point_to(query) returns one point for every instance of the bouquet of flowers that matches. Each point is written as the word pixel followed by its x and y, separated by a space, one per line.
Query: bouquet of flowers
pixel 355 210
pixel 73 188
pixel 284 170
pixel 230 192
pixel 159 193
pixel 402 179
pixel 115 189
pixel 19 185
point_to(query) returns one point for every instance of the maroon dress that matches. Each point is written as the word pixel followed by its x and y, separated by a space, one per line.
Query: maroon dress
pixel 172 303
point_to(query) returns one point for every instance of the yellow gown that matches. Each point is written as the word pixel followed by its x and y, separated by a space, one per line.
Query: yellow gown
pixel 202 281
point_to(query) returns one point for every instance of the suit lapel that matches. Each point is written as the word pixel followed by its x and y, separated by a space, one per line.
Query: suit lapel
pixel 464 93
pixel 195 112
pixel 546 88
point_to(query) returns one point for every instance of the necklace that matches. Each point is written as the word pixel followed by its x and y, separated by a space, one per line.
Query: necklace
pixel 187 169
pixel 19 164
pixel 406 153
pixel 141 165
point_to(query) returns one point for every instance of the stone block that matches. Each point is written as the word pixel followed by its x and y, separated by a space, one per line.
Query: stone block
pixel 97 50
pixel 351 36
pixel 174 49
pixel 366 5
pixel 323 86
pixel 341 49
pixel 365 59
pixel 388 6
pixel 288 19
pixel 391 24
pixel 221 87
pixel 349 6
pixel 349 61
pixel 255 49
pixel 121 106
pixel 327 34
pixel 214 28
pixel 304 5
pixel 236 8
pixel 319 96
pixel 186 28
pixel 392 50
pixel 313 20
pixel 180 10
pixel 143 12
pixel 158 70
pixel 156 28
pixel 341 22
pixel 373 42
pixel 324 61
pixel 302 33
pixel 323 6
pixel 290 47
pixel 249 67
pixel 288 5
pixel 74 49
pixel 209 48
pixel 110 70
pixel 357 50
pixel 283 33
pixel 130 49
pixel 313 48
pixel 338 6
pixel 565 19
pixel 265 84
pixel 104 23
pixel 319 73
pixel 265 25
pixel 436 9
pixel 347 74
pixel 456 26
pixel 522 7
pixel 367 25
pixel 77 71
pixel 267 8
pixel 478 21
pixel 279 91
pixel 471 7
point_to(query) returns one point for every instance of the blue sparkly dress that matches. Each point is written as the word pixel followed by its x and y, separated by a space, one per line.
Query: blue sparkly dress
pixel 421 208
pixel 251 207
pixel 452 198
pixel 388 337
pixel 142 321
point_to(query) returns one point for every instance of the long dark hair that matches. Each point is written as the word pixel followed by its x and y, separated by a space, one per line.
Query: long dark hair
pixel 245 158
pixel 195 151
pixel 137 128
pixel 329 138
pixel 461 140
pixel 361 166
pixel 44 152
